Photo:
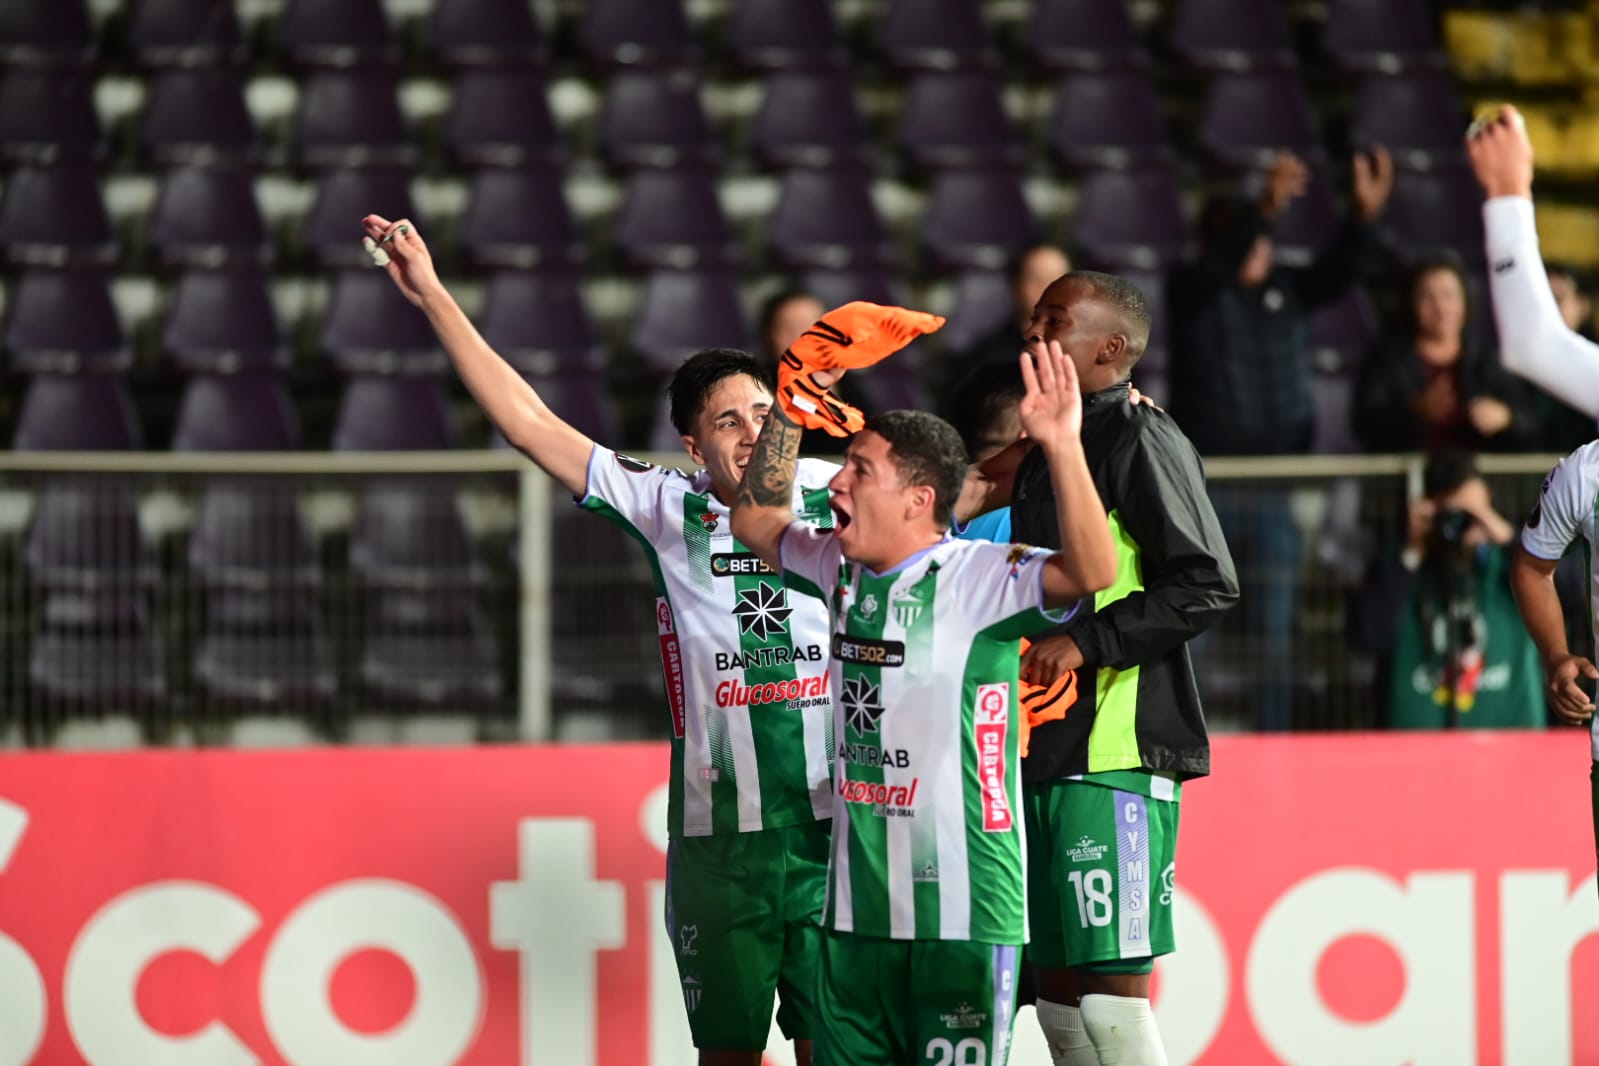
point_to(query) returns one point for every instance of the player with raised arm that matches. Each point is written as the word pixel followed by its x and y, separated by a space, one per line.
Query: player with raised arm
pixel 1564 512
pixel 1534 340
pixel 926 906
pixel 745 665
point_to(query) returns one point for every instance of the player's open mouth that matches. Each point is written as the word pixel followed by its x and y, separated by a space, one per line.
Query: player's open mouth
pixel 840 516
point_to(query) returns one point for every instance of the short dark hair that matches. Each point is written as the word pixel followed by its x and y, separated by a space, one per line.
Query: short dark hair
pixel 926 451
pixel 774 303
pixel 1128 303
pixel 1447 470
pixel 982 397
pixel 1019 260
pixel 1437 262
pixel 700 374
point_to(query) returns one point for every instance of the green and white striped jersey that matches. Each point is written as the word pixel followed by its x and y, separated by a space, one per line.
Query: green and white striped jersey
pixel 927 834
pixel 745 662
pixel 1568 508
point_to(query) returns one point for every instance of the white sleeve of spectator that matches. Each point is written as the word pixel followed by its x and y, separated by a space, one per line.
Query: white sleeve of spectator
pixel 1534 341
pixel 1566 499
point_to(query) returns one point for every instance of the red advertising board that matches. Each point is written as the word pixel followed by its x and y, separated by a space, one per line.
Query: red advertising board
pixel 1422 899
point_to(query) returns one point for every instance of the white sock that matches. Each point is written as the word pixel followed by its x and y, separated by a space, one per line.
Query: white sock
pixel 1123 1031
pixel 1063 1031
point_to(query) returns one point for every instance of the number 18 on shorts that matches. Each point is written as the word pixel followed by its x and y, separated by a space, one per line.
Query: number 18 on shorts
pixel 1101 869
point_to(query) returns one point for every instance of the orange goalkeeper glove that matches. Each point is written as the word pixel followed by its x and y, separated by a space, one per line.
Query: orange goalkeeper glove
pixel 846 338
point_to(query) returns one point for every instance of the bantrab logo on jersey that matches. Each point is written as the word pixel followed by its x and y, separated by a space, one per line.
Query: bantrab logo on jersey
pixel 762 611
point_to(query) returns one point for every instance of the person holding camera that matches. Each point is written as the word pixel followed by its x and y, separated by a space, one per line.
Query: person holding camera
pixel 1439 613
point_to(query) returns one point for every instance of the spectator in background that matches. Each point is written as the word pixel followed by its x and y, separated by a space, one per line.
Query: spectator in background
pixel 1437 387
pixel 1439 613
pixel 1240 377
pixel 983 409
pixel 1032 271
pixel 1564 428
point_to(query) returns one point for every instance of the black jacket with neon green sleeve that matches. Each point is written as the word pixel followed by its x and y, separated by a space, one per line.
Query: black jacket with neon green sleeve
pixel 1138 706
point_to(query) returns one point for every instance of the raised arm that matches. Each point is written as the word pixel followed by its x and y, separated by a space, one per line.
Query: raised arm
pixel 510 402
pixel 1534 341
pixel 764 506
pixel 1052 415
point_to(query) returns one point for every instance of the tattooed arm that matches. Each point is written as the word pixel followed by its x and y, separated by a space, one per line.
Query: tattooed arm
pixel 764 506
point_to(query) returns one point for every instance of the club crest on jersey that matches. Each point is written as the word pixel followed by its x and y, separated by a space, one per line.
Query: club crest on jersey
pixel 693 991
pixel 762 611
pixel 709 520
pixel 860 700
pixel 908 608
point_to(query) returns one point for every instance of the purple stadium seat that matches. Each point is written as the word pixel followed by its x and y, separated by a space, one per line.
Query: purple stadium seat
pixel 284 665
pixel 248 534
pixel 809 119
pixel 783 34
pixel 430 650
pixel 55 217
pixel 983 303
pixel 977 218
pixel 185 33
pixel 1417 117
pixel 537 321
pixel 672 218
pixel 97 650
pixel 222 321
pixel 635 33
pixel 486 33
pixel 351 118
pixel 501 118
pixel 1247 119
pixel 196 117
pixel 1434 212
pixel 681 312
pixel 955 120
pixel 76 413
pixel 1130 220
pixel 838 287
pixel 371 328
pixel 934 35
pixel 1332 405
pixel 1082 35
pixel 1383 35
pixel 583 401
pixel 1108 120
pixel 412 536
pixel 85 535
pixel 330 232
pixel 519 218
pixel 654 119
pixel 63 322
pixel 48 117
pixel 336 33
pixel 236 413
pixel 386 414
pixel 45 33
pixel 208 217
pixel 1231 34
pixel 1341 332
pixel 825 218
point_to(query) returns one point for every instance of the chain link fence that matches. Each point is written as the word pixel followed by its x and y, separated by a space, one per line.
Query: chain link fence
pixel 460 598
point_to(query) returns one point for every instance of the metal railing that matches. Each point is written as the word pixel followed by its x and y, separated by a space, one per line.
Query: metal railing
pixel 459 597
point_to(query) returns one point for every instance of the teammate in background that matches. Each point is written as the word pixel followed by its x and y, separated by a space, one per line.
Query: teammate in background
pixel 926 905
pixel 1564 512
pixel 745 666
pixel 983 410
pixel 1534 339
pixel 1102 785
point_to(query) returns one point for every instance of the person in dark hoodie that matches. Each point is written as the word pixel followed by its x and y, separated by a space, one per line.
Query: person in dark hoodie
pixel 1437 387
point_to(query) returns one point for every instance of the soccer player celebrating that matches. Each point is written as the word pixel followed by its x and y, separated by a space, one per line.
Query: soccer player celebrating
pixel 1534 340
pixel 926 904
pixel 745 665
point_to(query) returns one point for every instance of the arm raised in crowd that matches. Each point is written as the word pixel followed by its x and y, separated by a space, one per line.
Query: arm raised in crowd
pixel 513 405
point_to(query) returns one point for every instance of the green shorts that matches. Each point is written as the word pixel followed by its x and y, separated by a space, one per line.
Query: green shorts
pixel 939 1002
pixel 744 911
pixel 1101 865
